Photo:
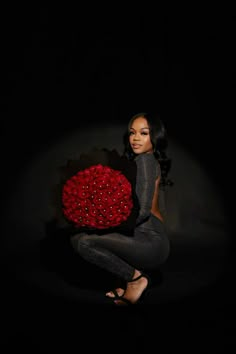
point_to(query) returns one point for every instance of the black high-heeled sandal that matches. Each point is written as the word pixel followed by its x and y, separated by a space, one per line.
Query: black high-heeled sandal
pixel 118 284
pixel 116 295
pixel 128 302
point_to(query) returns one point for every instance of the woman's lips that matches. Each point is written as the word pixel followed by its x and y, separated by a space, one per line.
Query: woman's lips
pixel 136 146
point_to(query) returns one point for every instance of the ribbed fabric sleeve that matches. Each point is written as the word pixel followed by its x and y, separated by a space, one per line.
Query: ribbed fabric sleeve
pixel 148 169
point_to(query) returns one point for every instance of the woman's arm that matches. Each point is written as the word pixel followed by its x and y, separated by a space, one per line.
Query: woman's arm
pixel 148 171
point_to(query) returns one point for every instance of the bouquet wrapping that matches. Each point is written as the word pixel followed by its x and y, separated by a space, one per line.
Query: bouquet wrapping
pixel 96 194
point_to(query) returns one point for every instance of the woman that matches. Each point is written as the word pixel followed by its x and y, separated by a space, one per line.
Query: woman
pixel 130 257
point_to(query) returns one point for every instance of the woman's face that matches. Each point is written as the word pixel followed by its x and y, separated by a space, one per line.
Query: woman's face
pixel 139 136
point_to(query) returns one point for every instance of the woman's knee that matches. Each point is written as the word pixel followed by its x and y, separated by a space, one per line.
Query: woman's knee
pixel 81 241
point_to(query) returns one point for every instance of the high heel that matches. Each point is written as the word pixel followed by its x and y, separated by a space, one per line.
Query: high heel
pixel 116 296
pixel 128 302
pixel 146 290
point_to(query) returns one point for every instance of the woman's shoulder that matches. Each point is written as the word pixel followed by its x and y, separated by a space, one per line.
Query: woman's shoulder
pixel 148 161
pixel 146 157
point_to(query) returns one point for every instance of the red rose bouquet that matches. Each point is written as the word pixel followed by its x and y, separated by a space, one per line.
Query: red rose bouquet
pixel 97 197
pixel 96 194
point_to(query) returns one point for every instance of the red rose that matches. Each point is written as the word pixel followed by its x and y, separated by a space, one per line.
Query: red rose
pixel 97 197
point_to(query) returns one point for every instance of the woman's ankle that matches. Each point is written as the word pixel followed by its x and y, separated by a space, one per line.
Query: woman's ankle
pixel 136 274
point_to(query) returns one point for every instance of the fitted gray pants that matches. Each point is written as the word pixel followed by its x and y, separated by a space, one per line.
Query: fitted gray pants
pixel 120 254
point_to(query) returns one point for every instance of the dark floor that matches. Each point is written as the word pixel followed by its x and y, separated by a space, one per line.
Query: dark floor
pixel 53 300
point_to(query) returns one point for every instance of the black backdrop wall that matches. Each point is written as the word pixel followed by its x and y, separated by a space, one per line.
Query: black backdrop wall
pixel 71 79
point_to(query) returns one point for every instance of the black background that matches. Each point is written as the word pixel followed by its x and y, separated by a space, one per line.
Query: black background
pixel 65 68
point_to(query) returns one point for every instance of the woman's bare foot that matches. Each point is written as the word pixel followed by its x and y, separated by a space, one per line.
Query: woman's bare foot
pixel 134 290
pixel 116 292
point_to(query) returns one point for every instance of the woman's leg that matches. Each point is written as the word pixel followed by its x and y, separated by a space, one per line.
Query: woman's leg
pixel 123 256
pixel 120 254
pixel 106 251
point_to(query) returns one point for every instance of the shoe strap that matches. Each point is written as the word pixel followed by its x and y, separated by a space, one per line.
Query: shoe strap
pixel 138 277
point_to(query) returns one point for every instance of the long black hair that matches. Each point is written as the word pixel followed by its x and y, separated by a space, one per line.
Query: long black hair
pixel 159 140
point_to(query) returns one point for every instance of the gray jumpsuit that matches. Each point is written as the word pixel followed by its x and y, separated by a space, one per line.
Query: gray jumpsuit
pixel 149 245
